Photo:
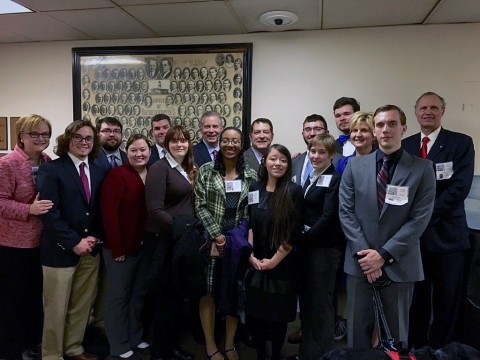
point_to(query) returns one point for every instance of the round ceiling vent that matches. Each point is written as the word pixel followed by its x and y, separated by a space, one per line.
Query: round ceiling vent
pixel 278 18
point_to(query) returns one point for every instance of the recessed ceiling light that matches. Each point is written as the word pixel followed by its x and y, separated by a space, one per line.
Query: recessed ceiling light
pixel 11 7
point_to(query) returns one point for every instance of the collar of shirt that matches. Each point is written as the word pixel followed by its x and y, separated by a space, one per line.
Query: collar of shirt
pixel 433 136
pixel 210 148
pixel 116 153
pixel 394 157
pixel 174 165
pixel 161 151
pixel 258 154
pixel 314 175
pixel 77 162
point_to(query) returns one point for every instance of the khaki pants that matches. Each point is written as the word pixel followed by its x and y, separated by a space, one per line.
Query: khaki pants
pixel 67 297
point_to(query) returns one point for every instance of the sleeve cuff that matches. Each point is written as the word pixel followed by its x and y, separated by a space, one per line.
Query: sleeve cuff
pixel 389 260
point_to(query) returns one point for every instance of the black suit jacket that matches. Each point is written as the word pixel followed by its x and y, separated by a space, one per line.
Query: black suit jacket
pixel 321 214
pixel 201 154
pixel 104 163
pixel 448 230
pixel 72 217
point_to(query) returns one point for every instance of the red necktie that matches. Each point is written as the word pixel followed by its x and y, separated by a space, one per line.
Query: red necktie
pixel 423 149
pixel 382 181
pixel 84 179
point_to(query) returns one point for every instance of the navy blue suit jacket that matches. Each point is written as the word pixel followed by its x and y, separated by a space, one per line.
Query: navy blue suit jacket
pixel 201 154
pixel 447 230
pixel 71 217
pixel 104 162
pixel 154 156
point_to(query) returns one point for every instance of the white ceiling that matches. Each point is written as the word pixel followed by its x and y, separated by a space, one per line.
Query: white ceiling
pixel 56 20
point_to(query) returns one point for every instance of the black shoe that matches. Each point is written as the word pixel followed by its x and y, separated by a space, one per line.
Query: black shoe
pixel 182 354
pixel 293 357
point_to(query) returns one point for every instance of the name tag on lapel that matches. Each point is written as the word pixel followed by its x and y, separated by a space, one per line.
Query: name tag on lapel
pixel 444 171
pixel 396 195
pixel 324 180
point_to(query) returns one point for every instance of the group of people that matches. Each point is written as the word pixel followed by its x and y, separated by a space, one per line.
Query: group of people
pixel 101 227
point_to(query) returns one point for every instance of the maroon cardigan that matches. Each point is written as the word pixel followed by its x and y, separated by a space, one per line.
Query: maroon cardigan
pixel 123 210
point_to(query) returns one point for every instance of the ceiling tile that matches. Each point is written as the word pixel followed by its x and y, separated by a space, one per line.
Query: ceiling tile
pixel 455 11
pixel 150 2
pixel 40 27
pixel 198 18
pixel 53 5
pixel 349 14
pixel 114 23
pixel 8 37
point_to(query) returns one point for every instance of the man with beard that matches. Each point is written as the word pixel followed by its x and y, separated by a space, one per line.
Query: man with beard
pixel 110 134
pixel 261 136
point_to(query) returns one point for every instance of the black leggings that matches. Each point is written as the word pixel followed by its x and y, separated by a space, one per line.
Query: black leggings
pixel 275 331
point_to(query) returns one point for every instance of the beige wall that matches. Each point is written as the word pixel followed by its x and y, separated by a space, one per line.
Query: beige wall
pixel 294 74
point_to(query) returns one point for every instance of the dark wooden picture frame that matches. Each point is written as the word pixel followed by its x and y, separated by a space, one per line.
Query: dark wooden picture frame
pixel 136 83
pixel 13 132
pixel 3 134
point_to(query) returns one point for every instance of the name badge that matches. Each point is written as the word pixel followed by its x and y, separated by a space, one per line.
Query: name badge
pixel 253 197
pixel 444 171
pixel 233 186
pixel 324 180
pixel 396 195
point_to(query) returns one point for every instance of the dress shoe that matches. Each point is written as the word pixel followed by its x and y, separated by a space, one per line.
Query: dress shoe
pixel 293 357
pixel 134 356
pixel 180 354
pixel 84 356
pixel 295 337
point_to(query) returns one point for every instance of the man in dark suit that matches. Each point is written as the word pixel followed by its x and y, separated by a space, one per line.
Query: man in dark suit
pixel 69 244
pixel 109 130
pixel 207 149
pixel 445 241
pixel 343 109
pixel 386 200
pixel 313 125
pixel 161 123
pixel 261 136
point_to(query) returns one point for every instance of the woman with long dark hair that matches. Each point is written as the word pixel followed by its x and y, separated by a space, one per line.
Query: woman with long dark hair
pixel 221 194
pixel 275 206
pixel 169 193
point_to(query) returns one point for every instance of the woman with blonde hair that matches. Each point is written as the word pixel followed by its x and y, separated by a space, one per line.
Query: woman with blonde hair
pixel 361 136
pixel 21 313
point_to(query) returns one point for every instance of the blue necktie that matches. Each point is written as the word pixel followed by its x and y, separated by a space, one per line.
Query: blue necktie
pixel 307 171
pixel 343 138
pixel 113 161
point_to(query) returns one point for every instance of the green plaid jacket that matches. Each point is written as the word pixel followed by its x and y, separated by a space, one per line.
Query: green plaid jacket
pixel 210 197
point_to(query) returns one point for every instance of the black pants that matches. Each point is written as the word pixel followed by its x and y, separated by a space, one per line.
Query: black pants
pixel 262 330
pixel 439 294
pixel 166 303
pixel 21 309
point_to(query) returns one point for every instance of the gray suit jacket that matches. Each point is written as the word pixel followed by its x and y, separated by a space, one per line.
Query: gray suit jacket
pixel 251 159
pixel 398 228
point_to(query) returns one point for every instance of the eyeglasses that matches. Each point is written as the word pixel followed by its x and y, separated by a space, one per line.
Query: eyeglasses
pixel 226 141
pixel 35 135
pixel 79 138
pixel 316 128
pixel 110 132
